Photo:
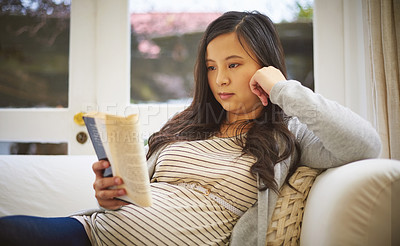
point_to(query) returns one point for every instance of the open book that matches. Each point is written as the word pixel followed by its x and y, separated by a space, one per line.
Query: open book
pixel 118 140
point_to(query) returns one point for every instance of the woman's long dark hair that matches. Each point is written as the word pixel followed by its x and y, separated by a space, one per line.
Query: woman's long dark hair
pixel 268 138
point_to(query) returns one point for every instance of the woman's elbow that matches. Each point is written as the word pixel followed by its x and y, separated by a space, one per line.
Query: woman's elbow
pixel 373 146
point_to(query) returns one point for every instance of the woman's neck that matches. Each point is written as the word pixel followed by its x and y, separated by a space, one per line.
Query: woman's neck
pixel 235 123
pixel 233 129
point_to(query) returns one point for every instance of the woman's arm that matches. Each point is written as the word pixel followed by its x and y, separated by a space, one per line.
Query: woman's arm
pixel 329 134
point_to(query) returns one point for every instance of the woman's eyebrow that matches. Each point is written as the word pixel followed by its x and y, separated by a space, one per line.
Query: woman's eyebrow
pixel 227 58
pixel 233 57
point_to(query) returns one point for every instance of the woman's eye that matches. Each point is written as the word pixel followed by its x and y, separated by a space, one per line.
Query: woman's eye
pixel 233 65
pixel 210 68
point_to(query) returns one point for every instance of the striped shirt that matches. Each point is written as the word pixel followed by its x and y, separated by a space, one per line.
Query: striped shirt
pixel 181 215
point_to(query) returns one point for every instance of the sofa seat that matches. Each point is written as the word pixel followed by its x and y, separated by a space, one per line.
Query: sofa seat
pixel 355 204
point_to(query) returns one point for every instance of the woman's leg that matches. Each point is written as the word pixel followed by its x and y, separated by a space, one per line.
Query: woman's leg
pixel 28 230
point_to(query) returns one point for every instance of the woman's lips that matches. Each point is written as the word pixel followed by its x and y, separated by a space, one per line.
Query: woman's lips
pixel 225 95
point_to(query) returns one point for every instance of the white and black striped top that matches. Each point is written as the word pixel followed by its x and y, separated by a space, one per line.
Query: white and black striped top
pixel 180 215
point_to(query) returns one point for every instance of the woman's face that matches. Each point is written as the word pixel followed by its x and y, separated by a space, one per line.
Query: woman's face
pixel 230 69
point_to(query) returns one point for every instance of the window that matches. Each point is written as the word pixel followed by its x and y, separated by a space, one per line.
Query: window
pixel 97 76
pixel 34 52
pixel 165 36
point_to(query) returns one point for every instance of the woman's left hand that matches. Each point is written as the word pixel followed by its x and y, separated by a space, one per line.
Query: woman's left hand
pixel 263 80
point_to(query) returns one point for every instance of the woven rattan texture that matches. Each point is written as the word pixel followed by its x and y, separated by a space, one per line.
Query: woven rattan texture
pixel 285 225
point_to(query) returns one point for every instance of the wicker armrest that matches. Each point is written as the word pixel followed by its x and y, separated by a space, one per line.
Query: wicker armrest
pixel 285 225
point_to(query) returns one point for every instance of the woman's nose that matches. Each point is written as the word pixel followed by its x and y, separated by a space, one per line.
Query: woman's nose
pixel 222 78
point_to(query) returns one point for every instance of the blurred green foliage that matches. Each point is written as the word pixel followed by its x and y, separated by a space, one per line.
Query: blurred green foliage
pixel 305 12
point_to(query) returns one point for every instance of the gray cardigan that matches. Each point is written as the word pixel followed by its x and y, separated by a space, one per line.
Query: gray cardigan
pixel 329 134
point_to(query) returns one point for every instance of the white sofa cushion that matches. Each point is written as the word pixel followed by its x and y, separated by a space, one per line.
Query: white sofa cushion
pixel 46 185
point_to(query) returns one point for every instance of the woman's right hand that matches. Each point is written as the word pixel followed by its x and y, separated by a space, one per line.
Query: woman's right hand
pixel 263 80
pixel 104 195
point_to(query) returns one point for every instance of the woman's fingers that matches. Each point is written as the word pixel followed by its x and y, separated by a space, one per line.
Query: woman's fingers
pixel 106 183
pixel 99 166
pixel 265 78
pixel 264 98
pixel 109 194
pixel 105 191
pixel 106 196
pixel 259 91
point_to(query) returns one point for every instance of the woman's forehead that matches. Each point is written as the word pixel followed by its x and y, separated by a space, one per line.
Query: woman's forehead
pixel 224 46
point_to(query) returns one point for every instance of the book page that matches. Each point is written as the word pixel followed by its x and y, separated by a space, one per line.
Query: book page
pixel 128 159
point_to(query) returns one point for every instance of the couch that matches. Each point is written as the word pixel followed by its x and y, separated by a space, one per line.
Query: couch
pixel 356 204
